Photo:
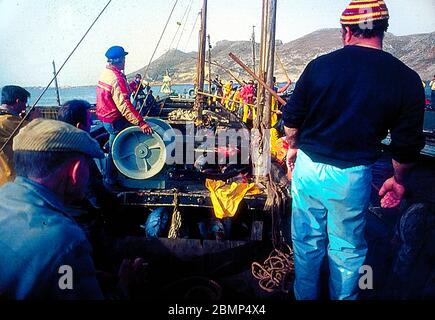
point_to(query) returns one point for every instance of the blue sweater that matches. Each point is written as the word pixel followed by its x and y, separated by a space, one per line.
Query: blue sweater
pixel 38 238
pixel 345 103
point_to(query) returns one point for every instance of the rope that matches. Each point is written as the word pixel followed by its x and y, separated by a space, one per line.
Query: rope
pixel 55 77
pixel 278 269
pixel 276 272
pixel 182 23
pixel 155 50
pixel 174 231
pixel 193 29
pixel 184 26
pixel 275 204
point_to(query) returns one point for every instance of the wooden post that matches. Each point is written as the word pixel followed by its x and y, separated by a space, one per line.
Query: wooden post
pixel 227 71
pixel 253 48
pixel 270 64
pixel 260 140
pixel 260 88
pixel 201 61
pixel 56 85
pixel 264 84
pixel 209 64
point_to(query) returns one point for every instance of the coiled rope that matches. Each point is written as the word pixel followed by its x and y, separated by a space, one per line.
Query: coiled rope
pixel 277 270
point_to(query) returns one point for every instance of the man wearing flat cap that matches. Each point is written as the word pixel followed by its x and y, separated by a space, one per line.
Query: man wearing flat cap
pixel 114 107
pixel 343 106
pixel 44 253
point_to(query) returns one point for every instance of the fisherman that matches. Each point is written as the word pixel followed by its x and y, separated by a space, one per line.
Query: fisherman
pixel 137 93
pixel 248 98
pixel 432 88
pixel 45 254
pixel 13 105
pixel 114 108
pixel 151 106
pixel 342 108
pixel 77 113
pixel 219 87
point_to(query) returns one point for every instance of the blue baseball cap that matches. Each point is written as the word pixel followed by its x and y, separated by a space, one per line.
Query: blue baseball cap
pixel 115 52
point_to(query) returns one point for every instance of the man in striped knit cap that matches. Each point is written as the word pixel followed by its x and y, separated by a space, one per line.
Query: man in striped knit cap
pixel 343 106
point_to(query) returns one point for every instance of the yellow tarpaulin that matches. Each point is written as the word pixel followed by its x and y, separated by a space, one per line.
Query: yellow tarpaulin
pixel 226 198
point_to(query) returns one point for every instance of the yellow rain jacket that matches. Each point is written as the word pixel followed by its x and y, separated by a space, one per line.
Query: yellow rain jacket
pixel 226 198
pixel 8 123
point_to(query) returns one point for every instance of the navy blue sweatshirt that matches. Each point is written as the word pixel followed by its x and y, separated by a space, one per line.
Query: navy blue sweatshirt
pixel 345 103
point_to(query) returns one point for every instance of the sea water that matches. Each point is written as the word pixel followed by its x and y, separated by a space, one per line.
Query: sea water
pixel 88 93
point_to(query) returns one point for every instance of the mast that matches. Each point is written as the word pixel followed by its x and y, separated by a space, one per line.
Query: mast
pixel 270 63
pixel 262 123
pixel 209 64
pixel 253 49
pixel 56 84
pixel 201 61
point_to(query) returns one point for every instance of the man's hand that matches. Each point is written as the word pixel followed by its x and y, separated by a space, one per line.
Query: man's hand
pixel 290 161
pixel 146 129
pixel 392 193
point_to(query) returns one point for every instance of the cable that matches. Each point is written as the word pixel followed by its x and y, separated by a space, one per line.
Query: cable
pixel 184 26
pixel 193 29
pixel 155 50
pixel 55 76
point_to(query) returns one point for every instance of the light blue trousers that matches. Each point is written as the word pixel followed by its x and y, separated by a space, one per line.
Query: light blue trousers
pixel 328 222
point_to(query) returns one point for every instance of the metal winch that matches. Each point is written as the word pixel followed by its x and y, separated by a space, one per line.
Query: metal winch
pixel 140 158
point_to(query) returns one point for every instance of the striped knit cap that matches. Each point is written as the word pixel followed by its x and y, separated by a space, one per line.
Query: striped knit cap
pixel 364 11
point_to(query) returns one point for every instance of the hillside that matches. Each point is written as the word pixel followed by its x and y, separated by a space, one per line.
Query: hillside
pixel 417 51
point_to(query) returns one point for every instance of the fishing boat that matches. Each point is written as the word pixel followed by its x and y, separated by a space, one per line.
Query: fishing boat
pixel 192 255
pixel 192 245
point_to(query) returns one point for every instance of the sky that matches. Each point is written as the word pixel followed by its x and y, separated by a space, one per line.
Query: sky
pixel 33 33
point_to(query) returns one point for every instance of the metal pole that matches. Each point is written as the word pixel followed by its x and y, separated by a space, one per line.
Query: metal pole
pixel 56 84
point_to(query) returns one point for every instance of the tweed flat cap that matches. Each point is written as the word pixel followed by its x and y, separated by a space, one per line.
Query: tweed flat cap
pixel 55 136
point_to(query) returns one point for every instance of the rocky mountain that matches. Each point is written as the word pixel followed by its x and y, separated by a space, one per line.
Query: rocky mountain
pixel 417 51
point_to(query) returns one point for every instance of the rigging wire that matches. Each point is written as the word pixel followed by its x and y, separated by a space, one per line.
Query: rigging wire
pixel 161 37
pixel 155 50
pixel 193 29
pixel 184 26
pixel 52 80
pixel 180 24
pixel 182 21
